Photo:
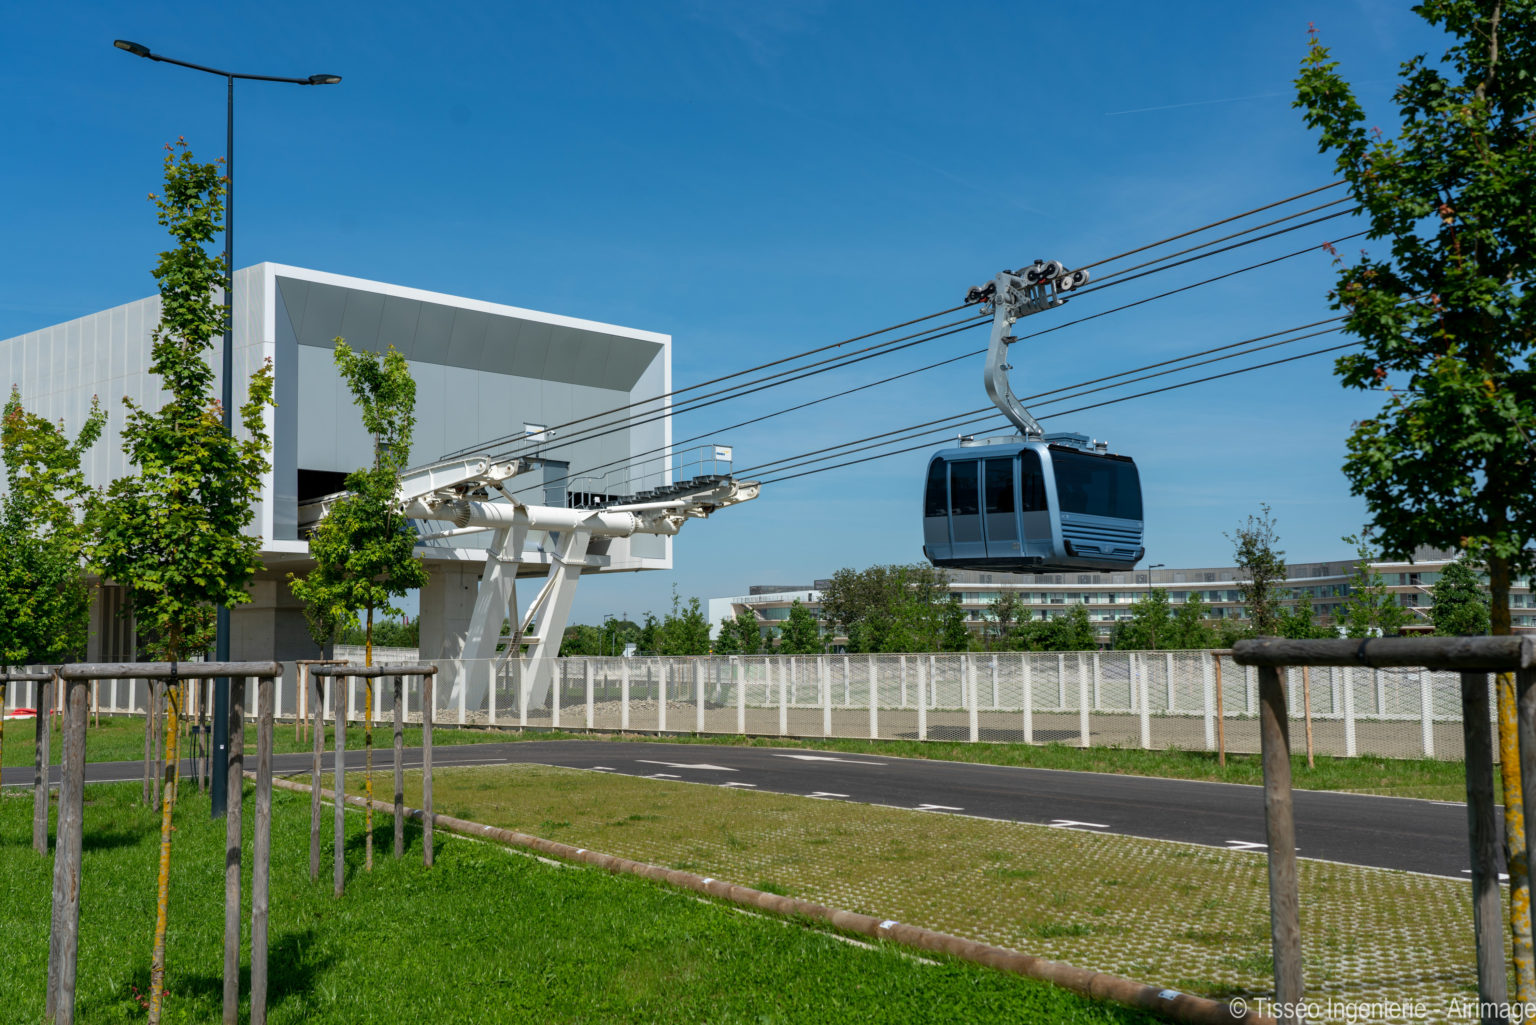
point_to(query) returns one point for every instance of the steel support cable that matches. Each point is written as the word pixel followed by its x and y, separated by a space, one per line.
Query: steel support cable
pixel 1214 252
pixel 727 394
pixel 1071 390
pixel 976 352
pixel 918 320
pixel 1068 412
pixel 1236 234
pixel 1213 224
pixel 717 380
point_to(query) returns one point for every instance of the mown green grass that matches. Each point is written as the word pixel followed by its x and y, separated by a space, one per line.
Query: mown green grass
pixel 485 936
pixel 123 740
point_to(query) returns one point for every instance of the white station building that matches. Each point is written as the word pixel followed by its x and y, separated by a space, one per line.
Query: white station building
pixel 489 378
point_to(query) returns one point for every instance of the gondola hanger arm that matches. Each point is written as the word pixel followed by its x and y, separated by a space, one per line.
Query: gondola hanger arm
pixel 1012 296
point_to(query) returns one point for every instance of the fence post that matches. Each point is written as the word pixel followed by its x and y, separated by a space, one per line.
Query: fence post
pixel 1029 700
pixel 739 675
pixel 874 700
pixel 1098 683
pixel 903 681
pixel 463 682
pixel 698 695
pixel 400 765
pixel 338 783
pixel 261 848
pixel 624 693
pixel 1206 697
pixel 826 695
pixel 1253 689
pixel 42 731
pixel 587 668
pixel 994 684
pixel 847 684
pixel 971 697
pixel 428 685
pixel 1280 831
pixel 317 704
pixel 1482 823
pixel 490 692
pixel 234 784
pixel 64 943
pixel 1427 714
pixel 1349 712
pixel 1083 732
pixel 661 700
pixel 1168 680
pixel 1061 681
pixel 922 702
pixel 556 689
pixel 783 699
pixel 1139 675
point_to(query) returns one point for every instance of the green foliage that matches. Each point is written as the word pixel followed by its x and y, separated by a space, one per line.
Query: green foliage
pixel 683 631
pixel 1370 610
pixel 388 633
pixel 44 601
pixel 1296 622
pixel 582 640
pixel 1253 545
pixel 174 533
pixel 1459 606
pixel 955 636
pixel 801 634
pixel 1190 629
pixel 364 548
pixel 739 635
pixel 1150 625
pixel 1445 319
pixel 889 608
pixel 1072 631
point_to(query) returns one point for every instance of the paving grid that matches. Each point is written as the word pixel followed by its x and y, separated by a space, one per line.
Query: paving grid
pixel 1170 914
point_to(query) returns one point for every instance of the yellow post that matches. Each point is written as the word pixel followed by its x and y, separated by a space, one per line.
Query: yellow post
pixel 162 901
pixel 1516 855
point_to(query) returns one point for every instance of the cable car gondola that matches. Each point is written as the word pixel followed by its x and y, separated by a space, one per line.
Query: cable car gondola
pixel 1030 502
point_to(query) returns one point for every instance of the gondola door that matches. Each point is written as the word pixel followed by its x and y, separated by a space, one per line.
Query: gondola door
pixel 966 537
pixel 1001 503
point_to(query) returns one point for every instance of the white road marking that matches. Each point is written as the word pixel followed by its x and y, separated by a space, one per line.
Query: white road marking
pixel 662 775
pixel 1503 876
pixel 603 768
pixel 687 765
pixel 733 784
pixel 938 807
pixel 825 793
pixel 1245 845
pixel 826 758
pixel 1074 824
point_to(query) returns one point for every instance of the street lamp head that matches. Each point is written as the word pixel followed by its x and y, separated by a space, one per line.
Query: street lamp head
pixel 137 49
pixel 324 79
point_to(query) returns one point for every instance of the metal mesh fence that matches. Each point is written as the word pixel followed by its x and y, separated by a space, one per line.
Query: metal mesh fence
pixel 1166 699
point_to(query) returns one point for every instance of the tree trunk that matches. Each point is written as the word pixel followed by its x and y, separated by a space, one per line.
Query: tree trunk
pixel 1515 853
pixel 368 749
pixel 163 897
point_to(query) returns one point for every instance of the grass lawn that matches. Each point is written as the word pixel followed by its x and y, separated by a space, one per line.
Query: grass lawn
pixel 1169 914
pixel 122 739
pixel 485 936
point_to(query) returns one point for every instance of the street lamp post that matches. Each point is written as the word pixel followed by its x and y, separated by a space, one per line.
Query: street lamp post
pixel 221 641
pixel 1152 623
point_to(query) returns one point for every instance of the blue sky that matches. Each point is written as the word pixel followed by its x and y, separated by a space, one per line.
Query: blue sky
pixel 754 179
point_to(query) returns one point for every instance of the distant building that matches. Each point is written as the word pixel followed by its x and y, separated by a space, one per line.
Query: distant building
pixel 1109 596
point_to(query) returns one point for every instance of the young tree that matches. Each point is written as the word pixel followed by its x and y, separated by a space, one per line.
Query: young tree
pixel 888 608
pixel 1190 629
pixel 955 636
pixel 725 641
pixel 44 601
pixel 174 533
pixel 1151 623
pixel 749 641
pixel 581 641
pixel 684 630
pixel 1459 608
pixel 1008 612
pixel 1370 610
pixel 1444 316
pixel 1254 549
pixel 1071 631
pixel 364 548
pixel 1296 622
pixel 801 634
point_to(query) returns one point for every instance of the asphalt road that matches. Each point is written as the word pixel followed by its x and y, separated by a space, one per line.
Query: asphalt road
pixel 1387 832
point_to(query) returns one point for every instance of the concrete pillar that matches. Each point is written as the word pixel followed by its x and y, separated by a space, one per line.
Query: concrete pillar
pixel 447 604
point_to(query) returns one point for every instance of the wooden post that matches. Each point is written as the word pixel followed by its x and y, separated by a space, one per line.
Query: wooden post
pixel 261 850
pixel 1482 831
pixel 64 941
pixel 299 719
pixel 426 769
pixel 317 704
pixel 1280 831
pixel 400 765
pixel 339 784
pixel 149 737
pixel 40 759
pixel 157 691
pixel 1221 716
pixel 1306 702
pixel 234 789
